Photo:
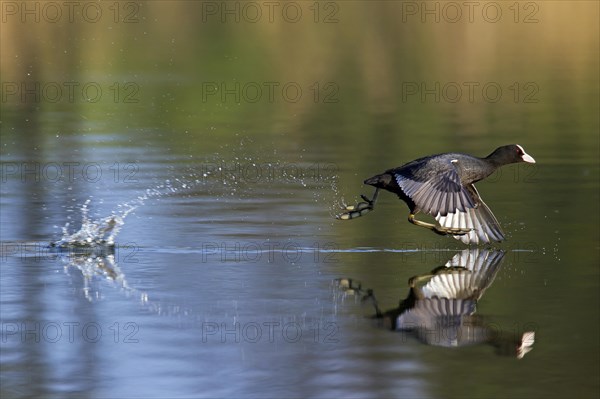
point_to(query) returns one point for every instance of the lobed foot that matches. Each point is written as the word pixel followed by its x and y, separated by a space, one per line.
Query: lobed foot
pixel 354 211
pixel 360 209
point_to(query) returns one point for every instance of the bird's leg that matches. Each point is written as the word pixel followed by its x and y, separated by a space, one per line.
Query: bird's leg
pixel 371 296
pixel 360 209
pixel 441 230
pixel 415 280
pixel 430 226
pixel 412 282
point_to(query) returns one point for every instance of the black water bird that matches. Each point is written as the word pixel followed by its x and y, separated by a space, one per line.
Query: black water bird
pixel 442 186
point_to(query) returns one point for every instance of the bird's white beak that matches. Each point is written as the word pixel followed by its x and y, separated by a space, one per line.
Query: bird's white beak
pixel 526 157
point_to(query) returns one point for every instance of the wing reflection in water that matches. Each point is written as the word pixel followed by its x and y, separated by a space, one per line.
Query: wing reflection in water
pixel 440 307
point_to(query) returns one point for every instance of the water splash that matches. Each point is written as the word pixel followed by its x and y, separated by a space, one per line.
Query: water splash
pixel 94 233
pixel 101 233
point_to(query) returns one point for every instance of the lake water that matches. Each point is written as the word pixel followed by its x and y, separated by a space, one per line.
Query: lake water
pixel 227 142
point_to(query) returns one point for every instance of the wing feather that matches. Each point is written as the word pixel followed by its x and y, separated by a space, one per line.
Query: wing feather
pixel 436 189
pixel 479 218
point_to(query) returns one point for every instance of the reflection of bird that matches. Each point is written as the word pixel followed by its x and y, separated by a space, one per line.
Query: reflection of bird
pixel 442 186
pixel 465 276
pixel 441 312
pixel 443 309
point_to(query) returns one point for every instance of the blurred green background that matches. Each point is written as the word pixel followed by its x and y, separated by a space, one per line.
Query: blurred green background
pixel 374 55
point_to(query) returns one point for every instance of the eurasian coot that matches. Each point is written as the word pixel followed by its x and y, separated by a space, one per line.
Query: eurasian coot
pixel 442 186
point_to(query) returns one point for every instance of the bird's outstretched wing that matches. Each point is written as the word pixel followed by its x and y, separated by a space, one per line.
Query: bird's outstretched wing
pixel 439 193
pixel 484 225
